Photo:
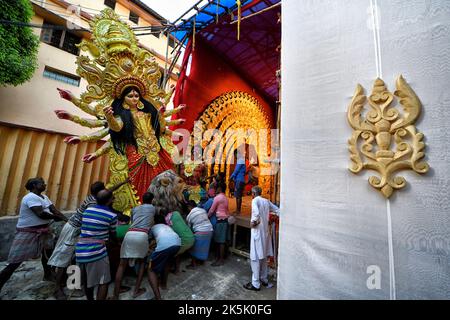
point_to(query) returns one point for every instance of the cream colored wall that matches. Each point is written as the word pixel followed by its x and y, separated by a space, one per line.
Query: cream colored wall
pixel 123 11
pixel 37 20
pixel 33 103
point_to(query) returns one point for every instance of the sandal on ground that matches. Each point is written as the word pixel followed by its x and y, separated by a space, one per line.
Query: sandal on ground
pixel 124 289
pixel 140 292
pixel 249 286
pixel 267 284
pixel 77 293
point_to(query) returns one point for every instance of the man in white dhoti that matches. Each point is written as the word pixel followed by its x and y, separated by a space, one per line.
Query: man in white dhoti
pixel 260 241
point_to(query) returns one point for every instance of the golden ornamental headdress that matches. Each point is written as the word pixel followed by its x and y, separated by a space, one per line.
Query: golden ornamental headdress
pixel 129 81
pixel 117 62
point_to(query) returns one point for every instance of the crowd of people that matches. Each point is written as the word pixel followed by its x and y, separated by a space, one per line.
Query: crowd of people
pixel 152 246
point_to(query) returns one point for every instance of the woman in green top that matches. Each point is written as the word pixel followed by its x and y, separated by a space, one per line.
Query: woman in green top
pixel 176 221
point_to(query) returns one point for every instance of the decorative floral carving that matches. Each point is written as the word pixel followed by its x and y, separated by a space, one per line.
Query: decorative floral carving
pixel 389 139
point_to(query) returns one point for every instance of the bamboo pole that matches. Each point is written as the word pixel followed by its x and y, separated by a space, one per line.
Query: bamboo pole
pixel 256 13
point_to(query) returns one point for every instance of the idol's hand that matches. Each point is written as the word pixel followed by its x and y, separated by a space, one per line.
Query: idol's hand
pixel 66 94
pixel 72 140
pixel 108 111
pixel 88 158
pixel 63 114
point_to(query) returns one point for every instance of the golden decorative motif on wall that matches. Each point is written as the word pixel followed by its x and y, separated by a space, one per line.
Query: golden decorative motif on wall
pixel 384 139
pixel 234 110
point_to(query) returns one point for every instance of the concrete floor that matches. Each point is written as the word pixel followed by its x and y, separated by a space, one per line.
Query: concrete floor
pixel 205 283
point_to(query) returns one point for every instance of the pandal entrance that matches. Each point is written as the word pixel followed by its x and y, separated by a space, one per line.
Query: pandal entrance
pixel 237 120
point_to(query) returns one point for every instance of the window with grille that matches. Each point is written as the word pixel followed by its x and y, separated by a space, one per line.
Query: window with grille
pixel 134 17
pixel 110 3
pixel 60 38
pixel 50 35
pixel 61 76
pixel 70 42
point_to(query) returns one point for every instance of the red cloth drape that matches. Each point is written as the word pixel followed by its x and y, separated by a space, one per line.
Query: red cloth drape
pixel 141 173
pixel 178 95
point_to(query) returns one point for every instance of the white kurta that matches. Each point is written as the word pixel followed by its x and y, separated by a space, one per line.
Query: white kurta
pixel 260 242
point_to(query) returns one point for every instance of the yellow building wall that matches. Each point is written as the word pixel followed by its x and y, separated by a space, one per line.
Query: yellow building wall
pixel 29 153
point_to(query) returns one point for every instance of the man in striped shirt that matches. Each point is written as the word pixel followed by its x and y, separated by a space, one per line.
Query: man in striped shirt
pixel 98 226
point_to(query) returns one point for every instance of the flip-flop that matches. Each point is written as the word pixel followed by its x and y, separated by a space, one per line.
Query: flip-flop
pixel 267 284
pixel 124 289
pixel 140 292
pixel 249 286
pixel 76 293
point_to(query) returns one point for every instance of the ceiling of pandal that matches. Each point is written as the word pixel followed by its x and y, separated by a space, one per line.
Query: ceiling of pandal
pixel 256 55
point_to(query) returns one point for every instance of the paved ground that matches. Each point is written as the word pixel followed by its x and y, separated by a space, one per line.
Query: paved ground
pixel 205 283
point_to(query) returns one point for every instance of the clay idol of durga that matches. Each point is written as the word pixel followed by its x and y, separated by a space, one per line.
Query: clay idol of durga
pixel 126 103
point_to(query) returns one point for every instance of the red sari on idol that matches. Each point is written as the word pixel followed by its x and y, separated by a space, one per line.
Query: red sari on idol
pixel 147 160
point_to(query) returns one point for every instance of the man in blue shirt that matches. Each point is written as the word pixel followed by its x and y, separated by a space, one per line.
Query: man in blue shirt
pixel 238 177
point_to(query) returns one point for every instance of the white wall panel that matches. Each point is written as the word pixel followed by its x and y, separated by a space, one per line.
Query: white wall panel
pixel 415 41
pixel 334 225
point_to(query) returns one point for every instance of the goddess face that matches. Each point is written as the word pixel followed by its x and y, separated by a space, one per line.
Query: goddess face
pixel 132 98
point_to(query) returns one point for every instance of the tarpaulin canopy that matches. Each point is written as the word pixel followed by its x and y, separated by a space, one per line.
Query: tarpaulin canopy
pixel 203 16
pixel 256 54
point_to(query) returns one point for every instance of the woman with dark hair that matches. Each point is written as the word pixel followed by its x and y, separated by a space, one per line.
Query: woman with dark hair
pixel 220 209
pixel 135 128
